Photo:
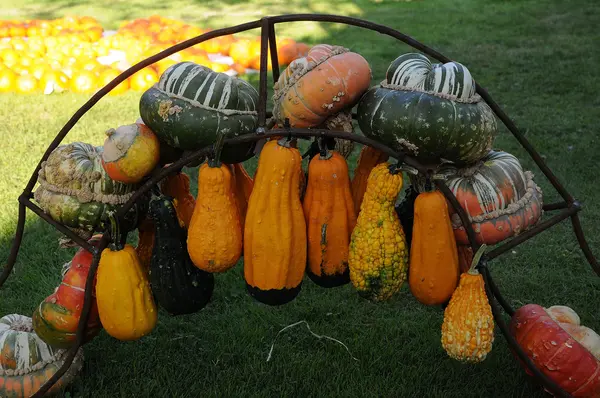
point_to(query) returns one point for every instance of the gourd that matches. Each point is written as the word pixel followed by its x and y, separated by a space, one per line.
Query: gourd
pixel 560 347
pixel 243 188
pixel 214 239
pixel 406 213
pixel 430 111
pixel 192 105
pixel 433 273
pixel 468 327
pixel 145 244
pixel 368 158
pixel 313 88
pixel 177 186
pixel 378 257
pixel 275 231
pixel 130 152
pixel 178 286
pixel 27 362
pixel 330 219
pixel 125 304
pixel 56 319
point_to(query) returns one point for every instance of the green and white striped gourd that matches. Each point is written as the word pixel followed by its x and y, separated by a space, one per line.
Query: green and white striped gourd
pixel 428 110
pixel 192 105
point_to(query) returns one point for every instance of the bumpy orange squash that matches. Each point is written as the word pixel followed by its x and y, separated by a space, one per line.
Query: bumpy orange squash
pixel 177 186
pixel 369 157
pixel 275 231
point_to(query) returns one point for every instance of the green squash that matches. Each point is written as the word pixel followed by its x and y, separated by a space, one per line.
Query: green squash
pixel 192 105
pixel 430 111
pixel 178 286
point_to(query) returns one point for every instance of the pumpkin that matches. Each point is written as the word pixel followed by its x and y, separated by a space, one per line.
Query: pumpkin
pixel 27 362
pixel 178 286
pixel 378 257
pixel 243 188
pixel 214 239
pixel 368 158
pixel 468 327
pixel 499 198
pixel 406 213
pixel 275 230
pixel 560 347
pixel 191 106
pixel 125 304
pixel 326 81
pixel 433 272
pixel 430 111
pixel 56 319
pixel 330 219
pixel 177 186
pixel 145 242
pixel 130 152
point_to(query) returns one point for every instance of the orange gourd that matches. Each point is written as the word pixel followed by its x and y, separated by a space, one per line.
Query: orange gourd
pixel 177 186
pixel 330 219
pixel 369 157
pixel 275 231
pixel 243 184
pixel 434 271
pixel 145 242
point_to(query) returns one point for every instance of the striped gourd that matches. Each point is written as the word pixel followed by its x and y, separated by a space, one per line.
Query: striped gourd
pixel 429 110
pixel 26 362
pixel 192 105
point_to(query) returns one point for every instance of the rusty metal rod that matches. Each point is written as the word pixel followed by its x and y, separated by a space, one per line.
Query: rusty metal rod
pixel 264 59
pixel 461 213
pixel 274 56
pixel 14 249
pixel 583 244
pixel 555 206
pixel 494 288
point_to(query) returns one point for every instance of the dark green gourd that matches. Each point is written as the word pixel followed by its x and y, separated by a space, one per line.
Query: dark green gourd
pixel 178 286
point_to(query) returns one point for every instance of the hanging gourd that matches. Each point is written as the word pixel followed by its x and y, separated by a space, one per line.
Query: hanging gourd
pixel 433 273
pixel 275 231
pixel 313 88
pixel 125 303
pixel 430 111
pixel 368 158
pixel 330 219
pixel 145 242
pixel 130 153
pixel 178 286
pixel 406 214
pixel 27 362
pixel 468 327
pixel 243 188
pixel 177 186
pixel 192 105
pixel 56 319
pixel 378 258
pixel 214 239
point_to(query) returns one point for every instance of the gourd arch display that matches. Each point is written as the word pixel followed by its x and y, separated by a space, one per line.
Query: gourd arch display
pixel 568 208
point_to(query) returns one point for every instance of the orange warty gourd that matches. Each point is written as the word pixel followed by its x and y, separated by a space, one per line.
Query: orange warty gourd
pixel 433 273
pixel 243 185
pixel 275 231
pixel 369 157
pixel 330 219
pixel 215 234
pixel 177 186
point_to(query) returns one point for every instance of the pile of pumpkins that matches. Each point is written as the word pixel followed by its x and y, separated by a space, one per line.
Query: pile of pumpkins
pixel 286 221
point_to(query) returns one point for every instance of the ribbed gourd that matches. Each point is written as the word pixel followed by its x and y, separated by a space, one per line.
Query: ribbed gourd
pixel 378 257
pixel 275 241
pixel 468 327
pixel 368 158
pixel 330 219
pixel 434 270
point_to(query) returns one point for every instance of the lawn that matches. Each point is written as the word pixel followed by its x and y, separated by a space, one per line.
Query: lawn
pixel 538 59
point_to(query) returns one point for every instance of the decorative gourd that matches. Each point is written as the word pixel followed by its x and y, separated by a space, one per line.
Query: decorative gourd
pixel 76 191
pixel 145 244
pixel 192 105
pixel 468 327
pixel 243 188
pixel 125 303
pixel 330 219
pixel 178 286
pixel 368 158
pixel 27 362
pixel 428 110
pixel 326 81
pixel 275 231
pixel 499 198
pixel 177 186
pixel 56 319
pixel 214 239
pixel 465 257
pixel 566 352
pixel 378 258
pixel 130 152
pixel 433 273
pixel 406 213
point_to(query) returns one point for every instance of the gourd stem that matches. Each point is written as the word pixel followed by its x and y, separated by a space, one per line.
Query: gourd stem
pixel 324 153
pixel 218 148
pixel 117 241
pixel 476 259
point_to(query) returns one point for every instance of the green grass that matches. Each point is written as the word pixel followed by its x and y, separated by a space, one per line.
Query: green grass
pixel 538 58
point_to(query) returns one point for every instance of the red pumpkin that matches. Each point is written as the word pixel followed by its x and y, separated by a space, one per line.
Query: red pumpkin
pixel 566 352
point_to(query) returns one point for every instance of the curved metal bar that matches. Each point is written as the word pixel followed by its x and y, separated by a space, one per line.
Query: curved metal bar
pixel 583 244
pixel 555 206
pixel 265 27
pixel 83 319
pixel 461 213
pixel 14 249
pixel 494 288
pixel 274 56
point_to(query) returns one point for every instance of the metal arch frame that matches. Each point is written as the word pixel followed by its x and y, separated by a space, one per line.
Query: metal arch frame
pixel 569 208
